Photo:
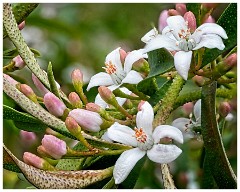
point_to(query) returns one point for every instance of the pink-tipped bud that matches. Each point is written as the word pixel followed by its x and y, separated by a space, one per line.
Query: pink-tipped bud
pixel 33 160
pixel 188 108
pixel 140 105
pixel 28 138
pixel 21 25
pixel 123 55
pixel 231 60
pixel 173 12
pixel 42 151
pixel 93 107
pixel 54 146
pixel 10 79
pixel 162 21
pixel 72 126
pixel 107 95
pixel 27 90
pixel 43 90
pixel 18 62
pixel 210 19
pixel 191 19
pixel 77 77
pixel 199 80
pixel 75 100
pixel 209 5
pixel 88 120
pixel 181 8
pixel 54 105
pixel 224 109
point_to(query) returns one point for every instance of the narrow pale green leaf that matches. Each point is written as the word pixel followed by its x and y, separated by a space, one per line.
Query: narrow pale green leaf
pixel 228 21
pixel 160 61
pixel 52 82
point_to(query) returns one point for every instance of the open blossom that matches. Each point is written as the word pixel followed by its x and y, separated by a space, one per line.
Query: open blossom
pixel 145 140
pixel 117 72
pixel 99 101
pixel 186 125
pixel 177 36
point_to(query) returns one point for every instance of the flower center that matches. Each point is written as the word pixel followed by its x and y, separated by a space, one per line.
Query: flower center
pixel 116 74
pixel 145 142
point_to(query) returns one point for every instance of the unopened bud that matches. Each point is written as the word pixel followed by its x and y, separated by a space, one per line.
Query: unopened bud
pixel 10 79
pixel 75 100
pixel 231 60
pixel 141 66
pixel 140 105
pixel 123 55
pixel 191 19
pixel 28 92
pixel 181 8
pixel 107 95
pixel 72 126
pixel 173 12
pixel 36 161
pixel 18 62
pixel 43 90
pixel 188 108
pixel 209 19
pixel 28 138
pixel 54 146
pixel 209 5
pixel 88 120
pixel 199 80
pixel 42 151
pixel 54 105
pixel 21 25
pixel 224 109
pixel 162 21
pixel 77 77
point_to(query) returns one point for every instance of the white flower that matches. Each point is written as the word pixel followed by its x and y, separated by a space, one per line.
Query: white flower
pixel 145 141
pixel 116 72
pixel 99 101
pixel 177 37
pixel 186 125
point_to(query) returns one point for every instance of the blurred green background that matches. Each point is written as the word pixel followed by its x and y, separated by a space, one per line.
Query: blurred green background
pixel 80 36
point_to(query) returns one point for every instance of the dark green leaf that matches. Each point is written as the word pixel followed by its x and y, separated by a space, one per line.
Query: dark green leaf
pixel 228 21
pixel 160 61
pixel 148 86
pixel 33 127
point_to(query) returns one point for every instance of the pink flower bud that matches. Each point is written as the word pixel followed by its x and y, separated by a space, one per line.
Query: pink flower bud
pixel 140 105
pixel 28 138
pixel 107 95
pixel 187 108
pixel 123 55
pixel 88 120
pixel 54 146
pixel 19 63
pixel 162 21
pixel 42 151
pixel 210 19
pixel 181 8
pixel 21 25
pixel 173 12
pixel 231 60
pixel 199 80
pixel 54 105
pixel 75 100
pixel 27 90
pixel 209 5
pixel 10 79
pixel 39 85
pixel 191 19
pixel 93 107
pixel 224 109
pixel 33 160
pixel 72 126
pixel 77 77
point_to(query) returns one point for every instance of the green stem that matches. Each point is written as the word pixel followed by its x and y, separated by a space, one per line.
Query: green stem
pixel 215 152
pixel 119 93
pixel 135 91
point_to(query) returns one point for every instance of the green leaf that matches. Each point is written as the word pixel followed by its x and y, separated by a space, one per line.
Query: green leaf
pixel 52 82
pixel 160 61
pixel 70 164
pixel 33 127
pixel 195 8
pixel 11 53
pixel 228 21
pixel 148 86
pixel 9 163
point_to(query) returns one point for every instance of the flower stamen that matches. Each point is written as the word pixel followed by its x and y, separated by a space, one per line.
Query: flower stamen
pixel 140 135
pixel 110 68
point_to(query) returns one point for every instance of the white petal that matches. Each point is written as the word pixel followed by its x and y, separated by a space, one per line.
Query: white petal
pixel 210 41
pixel 121 100
pixel 163 153
pixel 162 131
pixel 161 41
pixel 176 24
pixel 125 164
pixel 99 101
pixel 100 79
pixel 197 111
pixel 133 77
pixel 180 123
pixel 145 117
pixel 149 35
pixel 106 138
pixel 212 28
pixel 114 57
pixel 182 61
pixel 122 134
pixel 168 32
pixel 132 57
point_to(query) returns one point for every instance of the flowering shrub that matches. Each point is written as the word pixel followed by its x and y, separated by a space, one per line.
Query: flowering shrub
pixel 106 143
